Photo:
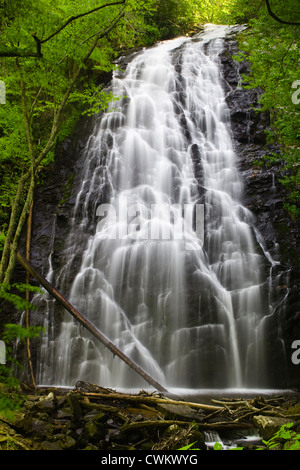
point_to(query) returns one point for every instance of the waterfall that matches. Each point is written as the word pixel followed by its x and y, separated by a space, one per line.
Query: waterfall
pixel 170 269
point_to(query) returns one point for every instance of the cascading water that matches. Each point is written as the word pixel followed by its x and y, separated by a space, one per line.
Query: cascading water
pixel 189 311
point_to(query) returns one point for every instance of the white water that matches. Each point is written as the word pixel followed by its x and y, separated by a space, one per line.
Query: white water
pixel 212 437
pixel 191 315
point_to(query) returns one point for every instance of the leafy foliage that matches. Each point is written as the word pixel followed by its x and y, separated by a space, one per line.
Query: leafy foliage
pixel 10 397
pixel 177 17
pixel 52 55
pixel 286 436
pixel 189 447
pixel 13 331
pixel 273 51
pixel 7 293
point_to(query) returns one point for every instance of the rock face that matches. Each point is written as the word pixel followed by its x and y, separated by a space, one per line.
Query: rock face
pixel 263 195
pixel 268 426
pixel 55 198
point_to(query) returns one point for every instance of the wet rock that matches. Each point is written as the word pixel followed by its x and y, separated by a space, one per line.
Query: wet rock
pixel 94 431
pixel 91 447
pixel 46 445
pixel 64 413
pixel 179 410
pixel 73 400
pixel 268 426
pixel 47 403
pixel 40 427
pixel 69 443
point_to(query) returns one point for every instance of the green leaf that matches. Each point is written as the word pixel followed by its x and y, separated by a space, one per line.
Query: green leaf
pixel 218 446
pixel 188 446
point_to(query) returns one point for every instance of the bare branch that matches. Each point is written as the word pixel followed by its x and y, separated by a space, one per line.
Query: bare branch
pixel 81 15
pixel 38 45
pixel 275 17
pixel 25 53
pixel 19 53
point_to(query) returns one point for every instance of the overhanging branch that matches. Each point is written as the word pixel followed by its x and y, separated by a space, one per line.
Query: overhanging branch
pixel 81 15
pixel 26 53
pixel 275 17
pixel 19 53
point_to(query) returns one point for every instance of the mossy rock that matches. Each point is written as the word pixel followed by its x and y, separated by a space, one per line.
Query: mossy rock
pixel 94 431
pixel 47 445
pixel 294 410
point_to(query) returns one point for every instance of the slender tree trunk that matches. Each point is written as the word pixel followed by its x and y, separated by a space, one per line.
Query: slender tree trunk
pixel 15 242
pixel 28 254
pixel 11 227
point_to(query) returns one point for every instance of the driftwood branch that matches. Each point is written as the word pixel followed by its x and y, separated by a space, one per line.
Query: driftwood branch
pixel 151 400
pixel 19 53
pixel 86 323
pixel 166 423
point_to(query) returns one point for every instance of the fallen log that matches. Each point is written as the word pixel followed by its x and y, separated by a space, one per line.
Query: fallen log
pixel 151 400
pixel 86 323
pixel 105 409
pixel 229 403
pixel 165 423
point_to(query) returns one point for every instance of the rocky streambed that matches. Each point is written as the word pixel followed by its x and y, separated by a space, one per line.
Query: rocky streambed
pixel 89 417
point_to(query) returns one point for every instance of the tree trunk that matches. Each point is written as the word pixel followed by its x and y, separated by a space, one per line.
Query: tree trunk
pixel 18 231
pixel 28 251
